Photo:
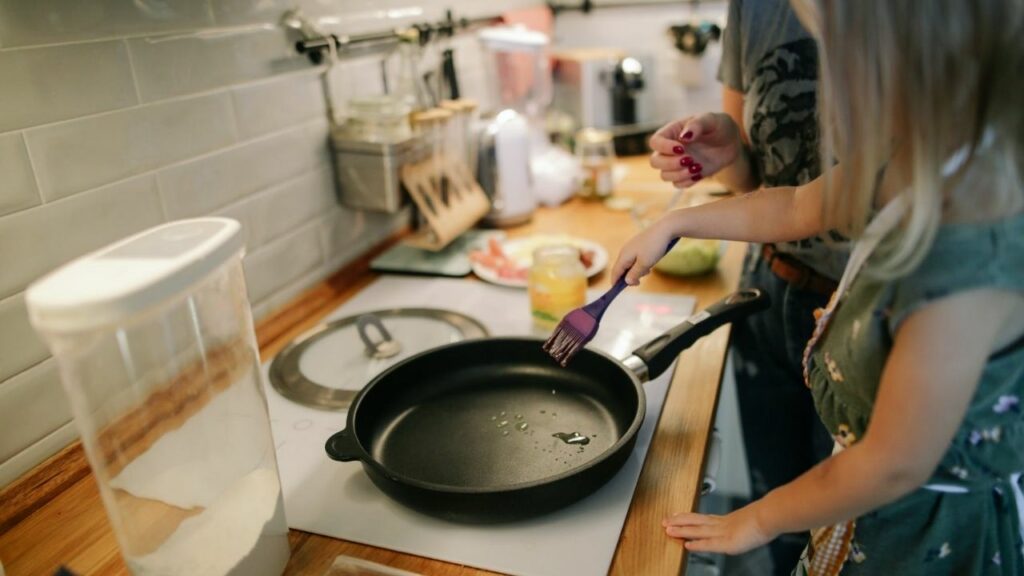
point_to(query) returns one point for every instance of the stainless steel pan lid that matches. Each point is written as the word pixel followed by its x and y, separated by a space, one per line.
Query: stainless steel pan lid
pixel 326 367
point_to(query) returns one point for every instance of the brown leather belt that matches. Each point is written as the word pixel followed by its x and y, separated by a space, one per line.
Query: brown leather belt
pixel 796 273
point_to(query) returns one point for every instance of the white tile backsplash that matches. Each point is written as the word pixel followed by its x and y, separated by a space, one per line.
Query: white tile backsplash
pixel 58 21
pixel 32 404
pixel 74 156
pixel 339 248
pixel 18 189
pixel 172 67
pixel 35 82
pixel 288 206
pixel 20 345
pixel 277 264
pixel 345 234
pixel 37 240
pixel 116 116
pixel 241 12
pixel 31 456
pixel 278 104
pixel 212 182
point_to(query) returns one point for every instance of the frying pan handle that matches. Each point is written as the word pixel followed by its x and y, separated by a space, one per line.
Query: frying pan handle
pixel 658 354
pixel 343 447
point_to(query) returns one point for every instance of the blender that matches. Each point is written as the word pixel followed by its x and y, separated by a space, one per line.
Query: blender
pixel 510 136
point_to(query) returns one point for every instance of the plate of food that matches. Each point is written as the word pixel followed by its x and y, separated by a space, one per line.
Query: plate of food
pixel 507 261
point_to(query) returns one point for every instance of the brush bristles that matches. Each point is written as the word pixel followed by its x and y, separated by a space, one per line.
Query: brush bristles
pixel 564 343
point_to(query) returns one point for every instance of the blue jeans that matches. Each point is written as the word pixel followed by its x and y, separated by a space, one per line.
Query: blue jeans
pixel 782 433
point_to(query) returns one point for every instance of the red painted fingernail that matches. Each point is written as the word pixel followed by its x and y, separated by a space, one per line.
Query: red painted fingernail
pixel 685 161
pixel 695 168
pixel 678 150
pixel 696 177
pixel 688 135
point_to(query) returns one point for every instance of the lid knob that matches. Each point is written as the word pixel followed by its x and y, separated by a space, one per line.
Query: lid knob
pixel 386 348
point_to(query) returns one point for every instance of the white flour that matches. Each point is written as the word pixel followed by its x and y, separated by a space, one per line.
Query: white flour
pixel 242 532
pixel 193 464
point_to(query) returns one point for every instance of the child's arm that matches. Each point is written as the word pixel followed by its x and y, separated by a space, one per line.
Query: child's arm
pixel 928 381
pixel 766 215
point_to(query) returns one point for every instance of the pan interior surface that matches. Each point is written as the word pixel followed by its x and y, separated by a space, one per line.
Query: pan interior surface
pixel 499 420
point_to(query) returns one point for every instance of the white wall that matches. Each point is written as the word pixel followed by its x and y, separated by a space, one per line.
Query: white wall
pixel 116 116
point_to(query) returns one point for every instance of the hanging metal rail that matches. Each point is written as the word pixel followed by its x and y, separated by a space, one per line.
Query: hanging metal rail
pixel 315 45
pixel 587 6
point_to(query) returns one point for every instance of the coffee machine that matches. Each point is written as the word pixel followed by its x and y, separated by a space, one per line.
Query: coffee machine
pixel 608 89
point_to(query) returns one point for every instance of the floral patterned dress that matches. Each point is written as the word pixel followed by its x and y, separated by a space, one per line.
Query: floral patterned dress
pixel 967 518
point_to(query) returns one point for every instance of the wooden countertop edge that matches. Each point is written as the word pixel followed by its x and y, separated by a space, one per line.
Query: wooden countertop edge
pixel 34 489
pixel 683 435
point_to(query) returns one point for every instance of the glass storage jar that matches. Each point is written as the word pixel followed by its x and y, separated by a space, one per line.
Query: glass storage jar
pixel 154 341
pixel 382 119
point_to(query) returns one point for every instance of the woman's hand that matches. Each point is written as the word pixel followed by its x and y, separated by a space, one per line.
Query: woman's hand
pixel 643 251
pixel 734 533
pixel 696 147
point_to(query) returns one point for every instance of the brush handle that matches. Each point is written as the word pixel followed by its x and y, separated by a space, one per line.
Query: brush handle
pixel 597 307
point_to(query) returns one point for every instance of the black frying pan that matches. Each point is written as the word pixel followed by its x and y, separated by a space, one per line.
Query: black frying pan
pixel 494 429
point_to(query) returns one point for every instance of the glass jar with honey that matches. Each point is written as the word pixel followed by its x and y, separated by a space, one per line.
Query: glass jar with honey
pixel 557 284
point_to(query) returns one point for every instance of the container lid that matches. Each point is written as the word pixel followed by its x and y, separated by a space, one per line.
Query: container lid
pixel 132 275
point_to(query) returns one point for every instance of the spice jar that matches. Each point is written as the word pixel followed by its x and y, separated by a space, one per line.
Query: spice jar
pixel 557 284
pixel 596 154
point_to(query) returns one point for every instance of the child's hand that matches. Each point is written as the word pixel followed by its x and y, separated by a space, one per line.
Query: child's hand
pixel 734 533
pixel 695 147
pixel 642 252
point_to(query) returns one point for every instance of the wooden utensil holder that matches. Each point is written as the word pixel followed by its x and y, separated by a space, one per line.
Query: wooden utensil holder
pixel 446 193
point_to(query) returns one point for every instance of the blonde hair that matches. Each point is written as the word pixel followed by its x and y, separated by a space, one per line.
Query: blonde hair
pixel 904 85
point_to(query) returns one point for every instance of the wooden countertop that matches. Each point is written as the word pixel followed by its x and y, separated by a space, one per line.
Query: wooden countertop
pixel 53 515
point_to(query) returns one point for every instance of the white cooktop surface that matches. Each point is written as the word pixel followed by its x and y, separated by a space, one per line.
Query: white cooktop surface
pixel 337 499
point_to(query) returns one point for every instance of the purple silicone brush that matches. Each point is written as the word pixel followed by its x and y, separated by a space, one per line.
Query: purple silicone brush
pixel 580 326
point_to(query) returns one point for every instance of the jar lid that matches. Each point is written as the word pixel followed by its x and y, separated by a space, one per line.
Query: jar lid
pixel 326 367
pixel 593 136
pixel 460 105
pixel 556 253
pixel 429 116
pixel 132 275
